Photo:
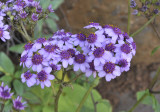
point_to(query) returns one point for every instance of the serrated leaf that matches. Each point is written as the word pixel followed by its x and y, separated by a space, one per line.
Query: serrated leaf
pixel 6 64
pixel 56 3
pixel 51 24
pixel 18 86
pixel 17 48
pixel 154 50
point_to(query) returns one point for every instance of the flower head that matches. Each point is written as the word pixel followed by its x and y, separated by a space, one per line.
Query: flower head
pixel 17 103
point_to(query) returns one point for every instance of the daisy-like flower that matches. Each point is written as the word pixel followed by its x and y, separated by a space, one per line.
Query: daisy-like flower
pixel 23 14
pixel 133 45
pixel 53 64
pixel 23 60
pixel 5 92
pixel 49 51
pixel 28 49
pixel 93 25
pixel 79 39
pixel 37 62
pixel 44 77
pixel 123 50
pixel 39 9
pixel 95 39
pixel 18 105
pixel 109 70
pixel 124 64
pixel 91 70
pixel 29 78
pixel 99 55
pixel 34 17
pixel 66 58
pixel 38 43
pixel 80 62
pixel 4 34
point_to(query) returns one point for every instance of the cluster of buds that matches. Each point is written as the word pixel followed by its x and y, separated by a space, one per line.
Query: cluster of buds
pixel 107 52
pixel 14 13
pixel 148 7
pixel 6 95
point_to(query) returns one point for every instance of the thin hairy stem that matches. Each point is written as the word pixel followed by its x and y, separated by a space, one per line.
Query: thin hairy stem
pixel 25 32
pixel 86 95
pixel 129 17
pixel 140 29
pixel 150 89
pixel 59 92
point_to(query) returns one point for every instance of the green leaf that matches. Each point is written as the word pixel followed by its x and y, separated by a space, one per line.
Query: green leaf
pixel 71 98
pixel 51 24
pixel 147 100
pixel 56 3
pixel 154 50
pixel 33 99
pixel 17 48
pixel 6 79
pixel 7 106
pixel 53 16
pixel 18 86
pixel 18 74
pixel 6 64
pixel 48 109
pixel 38 29
pixel 44 3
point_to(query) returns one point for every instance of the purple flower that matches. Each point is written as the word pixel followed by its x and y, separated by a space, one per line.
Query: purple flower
pixel 66 58
pixel 28 49
pixel 29 78
pixel 135 12
pixel 23 14
pixel 144 8
pixel 156 11
pixel 44 77
pixel 93 25
pixel 133 3
pixel 39 9
pixel 99 55
pixel 38 43
pixel 79 39
pixel 23 60
pixel 17 103
pixel 109 70
pixel 91 70
pixel 54 65
pixel 124 64
pixel 4 34
pixel 50 8
pixel 5 92
pixel 34 17
pixel 80 62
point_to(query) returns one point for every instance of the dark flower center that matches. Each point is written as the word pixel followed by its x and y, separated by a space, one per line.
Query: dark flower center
pixel 72 52
pixel 42 76
pixel 65 55
pixel 126 48
pixel 27 75
pixel 92 67
pixel 24 58
pixel 109 67
pixel 65 38
pixel 50 48
pixel 92 38
pixel 20 3
pixel 125 35
pixel 80 58
pixel 110 47
pixel 123 63
pixel 18 104
pixel 28 46
pixel 5 93
pixel 81 37
pixel 37 59
pixel 54 67
pixel 98 52
pixel 117 30
pixel 41 40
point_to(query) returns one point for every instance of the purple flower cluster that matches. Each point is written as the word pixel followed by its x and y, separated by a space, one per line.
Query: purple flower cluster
pixel 147 7
pixel 5 95
pixel 14 11
pixel 108 52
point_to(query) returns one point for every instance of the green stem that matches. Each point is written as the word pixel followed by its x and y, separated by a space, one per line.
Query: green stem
pixel 86 95
pixel 59 92
pixel 137 103
pixel 25 32
pixel 129 17
pixel 140 29
pixel 150 88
